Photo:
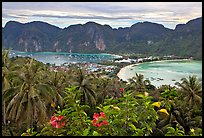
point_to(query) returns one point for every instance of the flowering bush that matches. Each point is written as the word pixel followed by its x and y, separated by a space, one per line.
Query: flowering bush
pixel 56 121
pixel 99 120
pixel 129 115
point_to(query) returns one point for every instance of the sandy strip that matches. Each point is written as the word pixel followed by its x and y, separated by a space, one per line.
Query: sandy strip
pixel 122 74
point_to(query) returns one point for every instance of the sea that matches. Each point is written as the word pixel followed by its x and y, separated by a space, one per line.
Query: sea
pixel 60 58
pixel 164 72
pixel 158 72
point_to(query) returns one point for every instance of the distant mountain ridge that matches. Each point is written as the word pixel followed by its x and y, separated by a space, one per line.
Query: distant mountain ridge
pixel 143 38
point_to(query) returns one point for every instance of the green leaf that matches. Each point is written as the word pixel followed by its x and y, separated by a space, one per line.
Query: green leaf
pixel 133 120
pixel 86 131
pixel 139 132
pixel 149 128
pixel 72 88
pixel 38 134
pixel 95 133
pixel 171 130
pixel 84 113
pixel 132 126
pixel 106 107
pixel 34 133
pixel 100 108
pixel 45 129
pixel 140 95
pixel 28 130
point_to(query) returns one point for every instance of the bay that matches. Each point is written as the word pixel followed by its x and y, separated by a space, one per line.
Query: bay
pixel 59 58
pixel 163 72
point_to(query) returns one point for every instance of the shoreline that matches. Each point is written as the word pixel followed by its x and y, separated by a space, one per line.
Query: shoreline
pixel 123 71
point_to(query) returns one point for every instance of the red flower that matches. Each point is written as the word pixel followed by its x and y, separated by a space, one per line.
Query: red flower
pixel 99 120
pixel 102 114
pixel 60 117
pixel 95 116
pixel 56 121
pixel 57 126
pixel 122 89
pixel 63 124
pixel 53 121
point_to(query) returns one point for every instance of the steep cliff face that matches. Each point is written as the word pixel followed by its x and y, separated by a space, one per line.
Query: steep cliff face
pixel 34 36
pixel 185 40
pixel 100 44
pixel 144 38
pixel 89 37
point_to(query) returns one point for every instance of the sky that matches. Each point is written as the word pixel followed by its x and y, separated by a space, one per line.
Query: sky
pixel 115 14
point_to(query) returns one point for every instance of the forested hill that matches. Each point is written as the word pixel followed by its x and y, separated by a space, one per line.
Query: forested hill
pixel 144 38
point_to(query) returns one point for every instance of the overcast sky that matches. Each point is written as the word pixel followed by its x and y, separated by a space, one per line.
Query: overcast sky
pixel 115 14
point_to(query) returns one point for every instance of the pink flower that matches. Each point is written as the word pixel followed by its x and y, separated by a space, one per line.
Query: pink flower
pixel 60 117
pixel 99 120
pixel 122 89
pixel 102 114
pixel 57 126
pixel 53 121
pixel 105 122
pixel 63 124
pixel 96 116
pixel 56 121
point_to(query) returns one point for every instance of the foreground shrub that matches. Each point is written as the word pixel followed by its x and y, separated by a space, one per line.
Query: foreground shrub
pixel 129 115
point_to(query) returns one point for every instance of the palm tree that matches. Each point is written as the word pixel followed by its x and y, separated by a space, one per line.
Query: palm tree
pixel 104 88
pixel 184 107
pixel 9 73
pixel 28 100
pixel 138 83
pixel 83 80
pixel 58 82
pixel 6 70
pixel 188 106
pixel 5 81
pixel 191 89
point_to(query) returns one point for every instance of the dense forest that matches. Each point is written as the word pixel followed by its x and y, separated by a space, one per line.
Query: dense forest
pixel 37 101
pixel 146 38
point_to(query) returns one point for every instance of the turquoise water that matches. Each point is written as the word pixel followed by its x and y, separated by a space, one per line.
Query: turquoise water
pixel 59 58
pixel 166 72
pixel 158 72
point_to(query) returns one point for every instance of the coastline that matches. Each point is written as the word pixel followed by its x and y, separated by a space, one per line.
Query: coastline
pixel 123 71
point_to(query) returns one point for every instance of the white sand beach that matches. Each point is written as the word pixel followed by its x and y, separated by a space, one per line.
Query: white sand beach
pixel 163 72
pixel 122 74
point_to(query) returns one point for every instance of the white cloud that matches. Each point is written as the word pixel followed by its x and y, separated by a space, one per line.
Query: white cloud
pixel 117 14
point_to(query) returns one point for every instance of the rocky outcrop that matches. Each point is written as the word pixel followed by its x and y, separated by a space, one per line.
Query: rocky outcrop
pixel 100 44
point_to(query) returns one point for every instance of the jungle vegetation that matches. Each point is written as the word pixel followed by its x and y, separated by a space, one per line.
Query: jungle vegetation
pixel 39 102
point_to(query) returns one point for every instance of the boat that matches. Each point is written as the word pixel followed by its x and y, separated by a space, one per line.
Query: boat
pixel 56 57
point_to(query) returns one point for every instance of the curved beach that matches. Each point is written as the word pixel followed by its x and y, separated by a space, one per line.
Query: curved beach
pixel 163 72
pixel 122 74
